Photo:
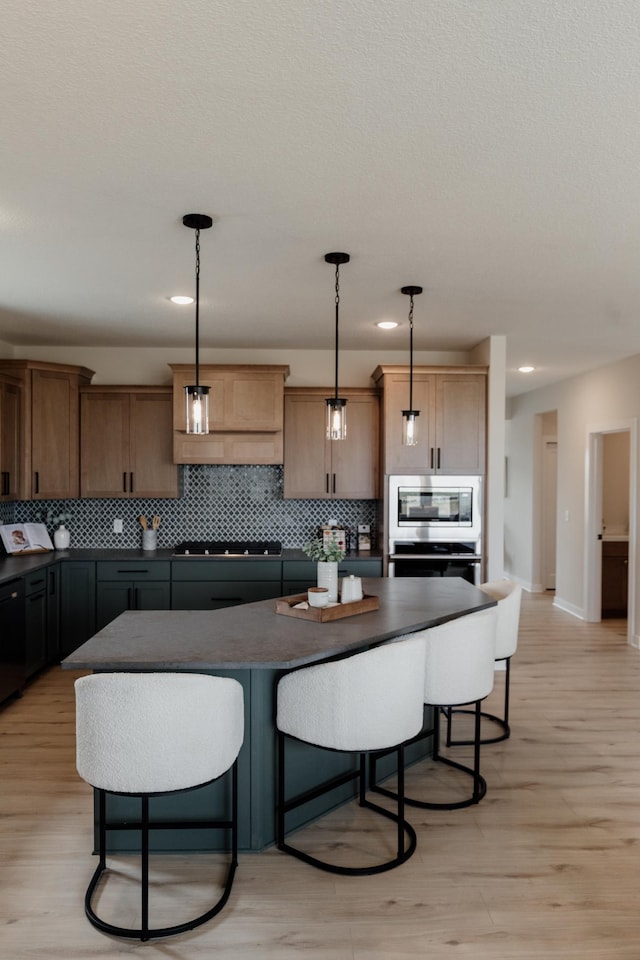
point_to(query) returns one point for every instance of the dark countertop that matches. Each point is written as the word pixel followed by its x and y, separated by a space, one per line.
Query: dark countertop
pixel 254 636
pixel 11 567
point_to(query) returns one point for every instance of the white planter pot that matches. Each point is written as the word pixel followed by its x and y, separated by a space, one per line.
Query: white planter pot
pixel 61 538
pixel 328 577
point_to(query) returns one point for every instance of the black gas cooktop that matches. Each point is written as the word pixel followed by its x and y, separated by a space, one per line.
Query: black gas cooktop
pixel 228 548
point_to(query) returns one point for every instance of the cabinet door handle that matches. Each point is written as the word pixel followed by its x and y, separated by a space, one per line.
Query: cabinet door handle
pixel 438 465
pixel 131 483
pixel 6 487
pixel 431 458
pixel 52 584
pixel 34 583
pixel 137 572
pixel 124 482
pixel 135 599
pixel 333 486
pixel 37 481
pixel 326 483
pixel 129 598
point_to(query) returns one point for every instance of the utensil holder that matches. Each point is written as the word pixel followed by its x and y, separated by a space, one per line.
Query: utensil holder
pixel 149 539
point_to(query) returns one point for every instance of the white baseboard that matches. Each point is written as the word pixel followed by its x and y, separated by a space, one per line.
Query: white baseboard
pixel 568 607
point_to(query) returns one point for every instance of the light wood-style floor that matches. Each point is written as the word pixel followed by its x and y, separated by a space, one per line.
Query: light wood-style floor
pixel 547 866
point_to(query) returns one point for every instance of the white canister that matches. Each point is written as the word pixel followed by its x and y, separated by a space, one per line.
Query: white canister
pixel 318 596
pixel 351 589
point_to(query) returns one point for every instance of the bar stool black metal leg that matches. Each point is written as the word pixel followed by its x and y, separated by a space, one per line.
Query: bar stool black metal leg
pixel 144 885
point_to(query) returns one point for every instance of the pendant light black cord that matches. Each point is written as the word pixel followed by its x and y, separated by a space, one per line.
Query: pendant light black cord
pixel 337 317
pixel 198 307
pixel 411 352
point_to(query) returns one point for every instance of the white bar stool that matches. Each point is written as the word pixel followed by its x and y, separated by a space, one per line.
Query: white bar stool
pixel 369 701
pixel 458 671
pixel 150 734
pixel 509 596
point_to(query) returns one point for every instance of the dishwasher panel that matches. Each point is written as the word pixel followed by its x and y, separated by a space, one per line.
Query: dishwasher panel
pixel 12 638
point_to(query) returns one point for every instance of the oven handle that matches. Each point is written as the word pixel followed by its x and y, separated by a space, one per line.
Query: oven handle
pixel 470 558
pixel 391 567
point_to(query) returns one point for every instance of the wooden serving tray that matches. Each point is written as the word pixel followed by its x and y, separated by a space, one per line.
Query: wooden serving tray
pixel 286 606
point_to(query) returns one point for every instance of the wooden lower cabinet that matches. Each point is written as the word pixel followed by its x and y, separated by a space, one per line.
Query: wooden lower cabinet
pixel 321 469
pixel 126 442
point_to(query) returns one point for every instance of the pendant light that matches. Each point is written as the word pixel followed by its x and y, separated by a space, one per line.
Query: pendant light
pixel 337 406
pixel 197 396
pixel 410 416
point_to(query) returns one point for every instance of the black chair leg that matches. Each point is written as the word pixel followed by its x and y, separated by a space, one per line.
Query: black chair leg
pixel 479 783
pixel 145 932
pixel 502 722
pixel 404 829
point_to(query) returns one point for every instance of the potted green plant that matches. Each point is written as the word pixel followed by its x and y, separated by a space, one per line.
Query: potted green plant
pixel 327 557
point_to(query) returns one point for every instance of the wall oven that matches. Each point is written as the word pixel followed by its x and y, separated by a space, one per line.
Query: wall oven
pixel 434 526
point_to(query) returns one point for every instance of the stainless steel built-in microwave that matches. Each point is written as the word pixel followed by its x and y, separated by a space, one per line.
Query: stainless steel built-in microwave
pixel 435 507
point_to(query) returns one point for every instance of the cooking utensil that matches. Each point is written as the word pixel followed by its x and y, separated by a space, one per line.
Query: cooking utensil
pixel 155 523
pixel 142 520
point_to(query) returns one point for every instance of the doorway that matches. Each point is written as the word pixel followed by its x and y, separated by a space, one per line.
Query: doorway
pixel 611 502
pixel 549 511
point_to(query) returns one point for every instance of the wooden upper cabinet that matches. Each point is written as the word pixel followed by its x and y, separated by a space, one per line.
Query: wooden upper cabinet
pixel 49 413
pixel 245 414
pixel 451 425
pixel 321 469
pixel 10 438
pixel 126 442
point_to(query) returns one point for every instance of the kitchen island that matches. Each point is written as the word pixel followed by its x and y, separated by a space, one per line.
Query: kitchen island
pixel 256 646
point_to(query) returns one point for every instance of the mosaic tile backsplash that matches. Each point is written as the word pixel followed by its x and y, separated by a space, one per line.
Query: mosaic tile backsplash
pixel 218 503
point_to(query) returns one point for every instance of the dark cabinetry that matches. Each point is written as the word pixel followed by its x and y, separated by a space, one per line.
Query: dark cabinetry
pixel 211 584
pixel 12 654
pixel 77 604
pixel 298 575
pixel 134 585
pixel 615 575
pixel 36 621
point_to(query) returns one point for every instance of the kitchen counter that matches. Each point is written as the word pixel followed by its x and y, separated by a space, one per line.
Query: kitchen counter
pixel 252 636
pixel 255 645
pixel 14 566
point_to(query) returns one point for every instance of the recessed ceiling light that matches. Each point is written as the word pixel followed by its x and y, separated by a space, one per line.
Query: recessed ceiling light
pixel 387 324
pixel 181 300
pixel 526 369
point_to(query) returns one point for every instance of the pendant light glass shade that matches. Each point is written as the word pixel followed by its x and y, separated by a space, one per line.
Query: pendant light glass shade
pixel 410 427
pixel 410 416
pixel 197 409
pixel 336 418
pixel 337 406
pixel 197 396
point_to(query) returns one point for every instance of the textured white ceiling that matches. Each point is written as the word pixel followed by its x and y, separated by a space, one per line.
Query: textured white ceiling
pixel 488 150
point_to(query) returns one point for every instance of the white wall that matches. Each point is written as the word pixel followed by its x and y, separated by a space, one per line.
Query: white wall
pixel 309 368
pixel 604 396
